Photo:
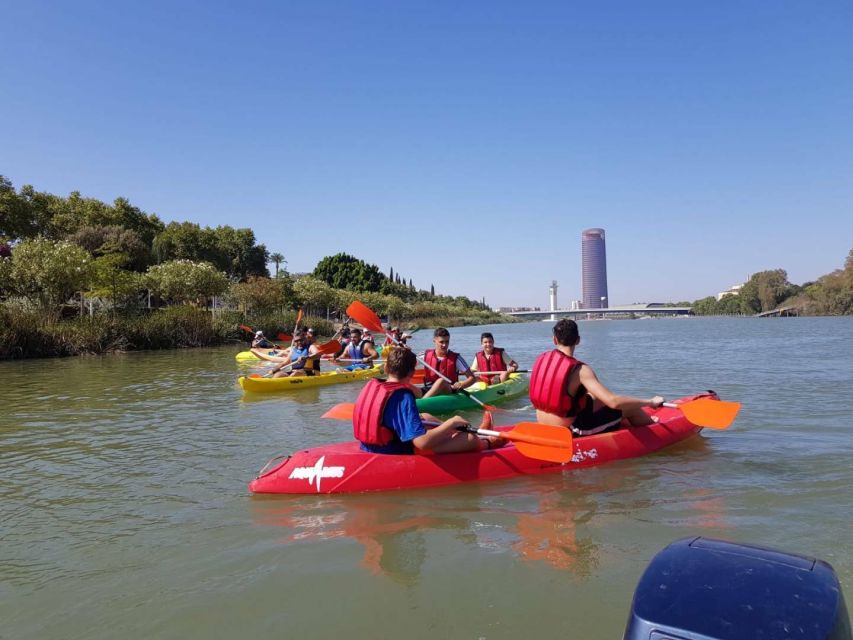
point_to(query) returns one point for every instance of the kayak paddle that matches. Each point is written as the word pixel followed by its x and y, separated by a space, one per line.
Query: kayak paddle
pixel 366 316
pixel 535 440
pixel 326 348
pixel 705 412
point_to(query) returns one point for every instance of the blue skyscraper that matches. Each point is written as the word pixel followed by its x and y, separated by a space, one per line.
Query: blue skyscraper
pixel 594 269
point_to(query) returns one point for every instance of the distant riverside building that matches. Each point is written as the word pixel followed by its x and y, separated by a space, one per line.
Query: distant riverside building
pixel 733 291
pixel 594 269
pixel 511 309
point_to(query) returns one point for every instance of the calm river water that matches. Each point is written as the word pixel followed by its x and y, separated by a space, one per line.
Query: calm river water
pixel 125 511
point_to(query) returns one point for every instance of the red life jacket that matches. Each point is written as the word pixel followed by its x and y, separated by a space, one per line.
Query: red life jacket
pixel 549 384
pixel 494 362
pixel 447 366
pixel 367 425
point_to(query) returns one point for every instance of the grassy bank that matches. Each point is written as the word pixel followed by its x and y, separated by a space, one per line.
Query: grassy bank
pixel 28 334
pixel 31 334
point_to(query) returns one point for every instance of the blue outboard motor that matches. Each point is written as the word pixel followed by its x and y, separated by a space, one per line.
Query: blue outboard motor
pixel 706 589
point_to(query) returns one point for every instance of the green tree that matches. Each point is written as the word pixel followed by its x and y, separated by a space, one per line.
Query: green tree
pixel 832 294
pixel 49 272
pixel 114 240
pixel 238 254
pixel 729 305
pixel 706 306
pixel 186 281
pixel 109 280
pixel 314 294
pixel 343 271
pixel 276 259
pixel 764 291
pixel 16 216
pixel 262 295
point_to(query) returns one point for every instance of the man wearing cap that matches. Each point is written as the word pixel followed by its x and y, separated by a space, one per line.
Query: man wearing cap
pixel 297 356
pixel 260 341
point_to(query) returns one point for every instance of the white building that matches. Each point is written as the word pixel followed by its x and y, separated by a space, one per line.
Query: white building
pixel 733 291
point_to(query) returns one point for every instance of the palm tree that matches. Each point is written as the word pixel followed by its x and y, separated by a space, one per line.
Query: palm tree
pixel 277 258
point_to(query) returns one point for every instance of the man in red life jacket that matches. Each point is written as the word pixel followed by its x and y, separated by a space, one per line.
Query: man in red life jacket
pixel 566 391
pixel 491 358
pixel 386 418
pixel 449 363
pixel 393 333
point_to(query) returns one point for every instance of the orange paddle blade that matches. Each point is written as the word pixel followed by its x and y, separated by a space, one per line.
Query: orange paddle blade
pixel 245 328
pixel 714 414
pixel 255 375
pixel 298 317
pixel 365 316
pixel 546 435
pixel 551 454
pixel 341 411
pixel 329 348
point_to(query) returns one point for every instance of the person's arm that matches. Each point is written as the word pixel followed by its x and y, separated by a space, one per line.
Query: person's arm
pixel 511 365
pixel 463 368
pixel 439 434
pixel 597 390
pixel 284 354
pixel 369 354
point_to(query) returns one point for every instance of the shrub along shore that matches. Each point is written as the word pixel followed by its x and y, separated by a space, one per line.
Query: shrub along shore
pixel 30 334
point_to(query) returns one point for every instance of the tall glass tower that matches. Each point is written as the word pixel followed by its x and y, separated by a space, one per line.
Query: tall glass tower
pixel 594 269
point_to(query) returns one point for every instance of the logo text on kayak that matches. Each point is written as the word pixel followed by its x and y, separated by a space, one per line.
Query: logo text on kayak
pixel 318 471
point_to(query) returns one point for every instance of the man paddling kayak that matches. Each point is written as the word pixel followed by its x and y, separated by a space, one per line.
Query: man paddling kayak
pixel 296 357
pixel 449 363
pixel 386 418
pixel 566 391
pixel 359 353
pixel 491 358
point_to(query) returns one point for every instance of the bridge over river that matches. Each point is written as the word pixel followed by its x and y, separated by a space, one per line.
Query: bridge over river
pixel 628 310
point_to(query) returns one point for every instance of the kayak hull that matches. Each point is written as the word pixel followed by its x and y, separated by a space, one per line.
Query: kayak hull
pixel 253 355
pixel 515 387
pixel 274 385
pixel 345 468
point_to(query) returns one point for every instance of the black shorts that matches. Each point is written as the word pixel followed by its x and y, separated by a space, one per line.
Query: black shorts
pixel 427 386
pixel 589 422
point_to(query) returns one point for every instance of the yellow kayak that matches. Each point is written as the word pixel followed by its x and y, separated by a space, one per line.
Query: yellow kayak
pixel 254 355
pixel 267 385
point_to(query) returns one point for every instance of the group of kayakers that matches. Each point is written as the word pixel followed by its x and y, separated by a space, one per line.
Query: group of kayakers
pixel 564 391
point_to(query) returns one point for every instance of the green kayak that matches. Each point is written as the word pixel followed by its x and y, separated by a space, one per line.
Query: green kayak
pixel 513 388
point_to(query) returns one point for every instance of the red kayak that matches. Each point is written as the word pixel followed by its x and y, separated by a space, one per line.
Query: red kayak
pixel 345 468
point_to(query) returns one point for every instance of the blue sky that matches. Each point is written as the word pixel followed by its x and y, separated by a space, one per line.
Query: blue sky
pixel 465 144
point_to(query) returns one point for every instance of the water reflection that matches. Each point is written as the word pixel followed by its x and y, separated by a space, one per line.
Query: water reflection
pixel 309 396
pixel 390 531
pixel 537 523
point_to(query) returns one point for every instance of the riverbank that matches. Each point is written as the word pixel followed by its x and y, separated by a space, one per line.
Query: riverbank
pixel 29 334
